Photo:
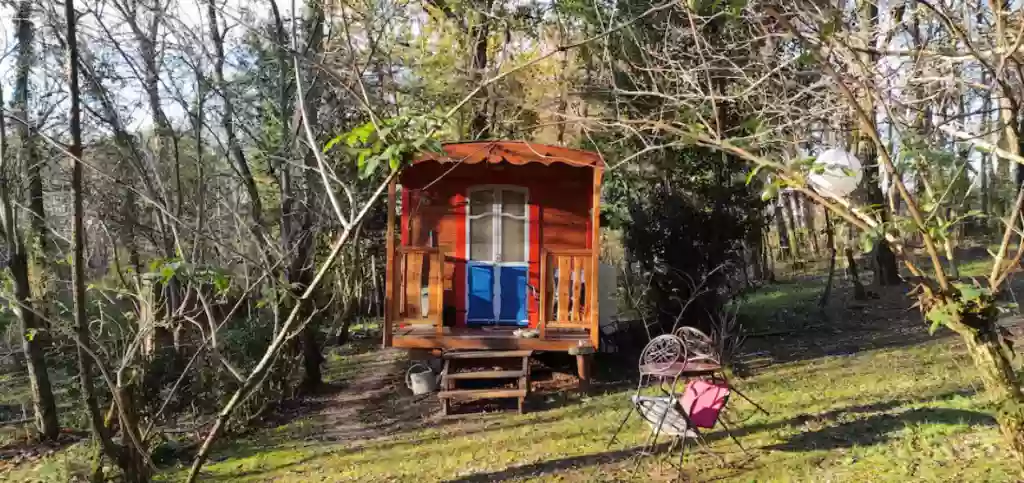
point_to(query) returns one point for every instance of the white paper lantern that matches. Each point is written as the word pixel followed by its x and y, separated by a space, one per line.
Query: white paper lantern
pixel 841 176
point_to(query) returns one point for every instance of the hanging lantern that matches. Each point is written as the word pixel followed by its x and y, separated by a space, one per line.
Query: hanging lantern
pixel 842 173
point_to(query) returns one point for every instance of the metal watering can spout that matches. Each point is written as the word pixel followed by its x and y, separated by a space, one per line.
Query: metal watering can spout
pixel 420 379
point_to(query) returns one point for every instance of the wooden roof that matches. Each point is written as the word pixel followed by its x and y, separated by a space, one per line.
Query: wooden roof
pixel 514 152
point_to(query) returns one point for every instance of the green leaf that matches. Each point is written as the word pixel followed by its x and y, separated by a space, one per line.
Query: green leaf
pixel 362 133
pixel 969 293
pixel 221 283
pixel 939 315
pixel 371 165
pixel 753 173
pixel 867 241
pixel 166 273
pixel 769 192
pixel 330 144
pixel 751 125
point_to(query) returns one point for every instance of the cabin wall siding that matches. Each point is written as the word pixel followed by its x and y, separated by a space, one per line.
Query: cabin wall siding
pixel 559 207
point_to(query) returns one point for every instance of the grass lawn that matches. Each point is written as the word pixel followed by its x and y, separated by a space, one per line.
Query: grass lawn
pixel 892 414
pixel 860 393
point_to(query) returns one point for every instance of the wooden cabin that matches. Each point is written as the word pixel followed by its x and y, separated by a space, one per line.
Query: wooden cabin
pixel 493 237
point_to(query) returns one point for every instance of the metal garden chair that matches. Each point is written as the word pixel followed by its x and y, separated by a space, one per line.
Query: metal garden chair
pixel 662 365
pixel 702 349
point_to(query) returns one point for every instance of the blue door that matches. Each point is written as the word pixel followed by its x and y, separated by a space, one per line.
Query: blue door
pixel 498 266
pixel 480 280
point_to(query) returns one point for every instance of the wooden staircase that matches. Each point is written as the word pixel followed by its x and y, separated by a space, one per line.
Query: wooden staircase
pixel 480 365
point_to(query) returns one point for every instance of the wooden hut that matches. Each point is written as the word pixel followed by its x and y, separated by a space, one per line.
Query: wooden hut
pixel 498 249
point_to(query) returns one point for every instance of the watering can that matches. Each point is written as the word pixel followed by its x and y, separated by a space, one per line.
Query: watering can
pixel 421 379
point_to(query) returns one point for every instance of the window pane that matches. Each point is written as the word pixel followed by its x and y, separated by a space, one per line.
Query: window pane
pixel 513 203
pixel 481 238
pixel 513 239
pixel 481 202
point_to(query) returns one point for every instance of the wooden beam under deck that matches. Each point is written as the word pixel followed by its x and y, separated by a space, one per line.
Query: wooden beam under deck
pixel 389 270
pixel 426 337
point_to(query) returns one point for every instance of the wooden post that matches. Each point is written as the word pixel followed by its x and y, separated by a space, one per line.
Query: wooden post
pixel 584 361
pixel 542 310
pixel 583 367
pixel 595 247
pixel 389 270
pixel 437 289
pixel 564 264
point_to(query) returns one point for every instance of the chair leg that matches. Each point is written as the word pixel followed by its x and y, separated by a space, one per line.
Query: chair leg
pixel 706 447
pixel 640 455
pixel 751 401
pixel 622 424
pixel 657 432
pixel 649 447
pixel 682 451
pixel 733 437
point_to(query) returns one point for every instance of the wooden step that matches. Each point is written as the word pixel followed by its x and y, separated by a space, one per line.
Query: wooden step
pixel 470 394
pixel 485 375
pixel 486 354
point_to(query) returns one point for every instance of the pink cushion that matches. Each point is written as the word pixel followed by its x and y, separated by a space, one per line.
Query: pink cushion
pixel 704 400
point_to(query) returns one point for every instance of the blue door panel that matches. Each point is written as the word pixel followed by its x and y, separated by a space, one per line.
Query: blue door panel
pixel 481 292
pixel 513 295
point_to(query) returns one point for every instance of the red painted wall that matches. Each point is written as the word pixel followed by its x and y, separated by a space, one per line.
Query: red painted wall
pixel 434 199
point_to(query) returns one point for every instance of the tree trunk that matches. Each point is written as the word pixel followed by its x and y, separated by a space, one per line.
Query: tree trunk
pixel 165 140
pixel 885 264
pixel 563 87
pixel 305 253
pixel 780 228
pixel 984 176
pixel 808 218
pixel 228 124
pixel 479 34
pixel 312 359
pixel 886 270
pixel 992 357
pixel 131 459
pixel 33 329
pixel 790 223
pixel 830 242
pixel 753 252
pixel 953 269
pixel 32 343
pixel 767 261
pixel 851 266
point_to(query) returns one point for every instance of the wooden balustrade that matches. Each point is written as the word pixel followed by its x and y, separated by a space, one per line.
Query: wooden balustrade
pixel 418 271
pixel 567 290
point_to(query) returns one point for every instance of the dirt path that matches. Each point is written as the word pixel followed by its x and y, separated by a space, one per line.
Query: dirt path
pixel 365 399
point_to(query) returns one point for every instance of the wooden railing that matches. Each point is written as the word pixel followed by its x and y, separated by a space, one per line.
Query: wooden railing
pixel 418 296
pixel 567 290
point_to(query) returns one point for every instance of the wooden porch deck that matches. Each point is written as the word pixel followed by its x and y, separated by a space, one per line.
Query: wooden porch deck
pixel 491 338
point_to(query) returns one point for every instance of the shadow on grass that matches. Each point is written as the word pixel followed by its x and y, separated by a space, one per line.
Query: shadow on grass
pixel 535 469
pixel 878 429
pixel 949 416
pixel 259 471
pixel 549 467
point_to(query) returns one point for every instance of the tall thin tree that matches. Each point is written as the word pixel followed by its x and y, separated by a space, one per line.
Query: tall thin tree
pixel 25 255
